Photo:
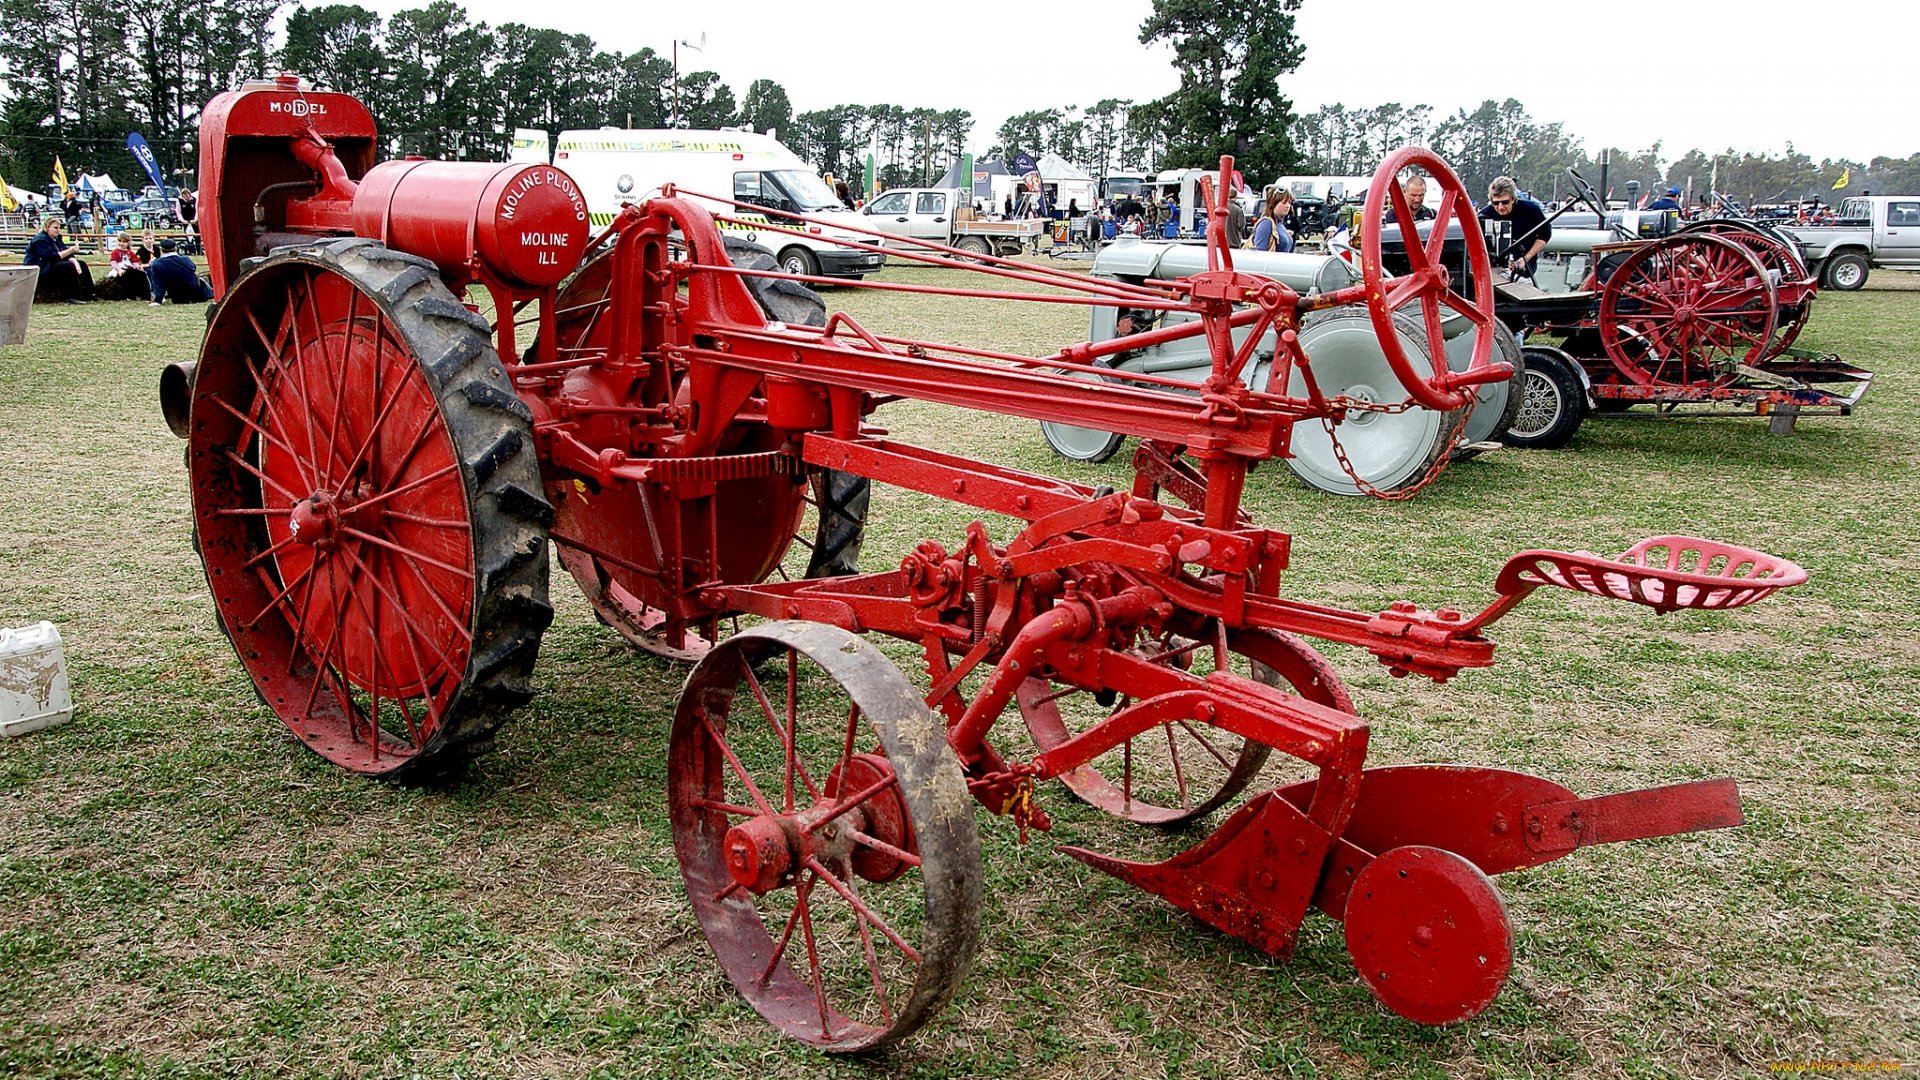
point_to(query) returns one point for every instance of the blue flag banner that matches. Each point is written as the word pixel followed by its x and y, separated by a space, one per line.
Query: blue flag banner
pixel 144 155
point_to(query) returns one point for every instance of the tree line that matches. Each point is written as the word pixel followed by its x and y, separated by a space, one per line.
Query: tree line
pixel 1501 138
pixel 82 74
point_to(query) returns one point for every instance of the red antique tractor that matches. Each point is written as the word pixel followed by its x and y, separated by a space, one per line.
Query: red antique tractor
pixel 378 470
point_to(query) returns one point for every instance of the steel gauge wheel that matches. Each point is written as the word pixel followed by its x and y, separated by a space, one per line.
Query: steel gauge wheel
pixel 825 835
pixel 366 498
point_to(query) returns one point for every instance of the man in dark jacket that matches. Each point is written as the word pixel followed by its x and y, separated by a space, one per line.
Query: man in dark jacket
pixel 1527 225
pixel 62 275
pixel 174 277
pixel 1415 189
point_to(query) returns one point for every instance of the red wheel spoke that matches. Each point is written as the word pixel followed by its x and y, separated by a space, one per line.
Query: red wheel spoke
pixel 1208 745
pixel 380 418
pixel 279 443
pixel 739 770
pixel 309 470
pixel 459 624
pixel 322 476
pixel 848 803
pixel 804 895
pixel 1417 259
pixel 873 962
pixel 271 551
pixel 280 597
pixel 883 847
pixel 1400 290
pixel 263 477
pixel 846 750
pixel 1465 307
pixel 321 670
pixel 457 571
pixel 254 511
pixel 786 935
pixel 1179 776
pixel 786 743
pixel 345 359
pixel 1436 335
pixel 422 519
pixel 724 807
pixel 406 622
pixel 861 908
pixel 402 490
pixel 1442 217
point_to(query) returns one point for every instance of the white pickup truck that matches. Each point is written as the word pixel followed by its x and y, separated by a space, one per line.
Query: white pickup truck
pixel 943 217
pixel 1873 231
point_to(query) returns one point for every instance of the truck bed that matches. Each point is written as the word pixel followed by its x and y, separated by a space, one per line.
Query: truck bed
pixel 1021 228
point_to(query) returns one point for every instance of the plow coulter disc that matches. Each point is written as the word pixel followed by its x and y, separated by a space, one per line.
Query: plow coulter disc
pixel 1384 451
pixel 825 835
pixel 1429 934
pixel 1687 312
pixel 613 541
pixel 366 501
pixel 1176 773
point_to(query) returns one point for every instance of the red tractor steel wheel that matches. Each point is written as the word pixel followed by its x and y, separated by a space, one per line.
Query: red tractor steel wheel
pixel 825 835
pixel 1428 285
pixel 615 563
pixel 366 503
pixel 1179 772
pixel 1687 311
pixel 1796 287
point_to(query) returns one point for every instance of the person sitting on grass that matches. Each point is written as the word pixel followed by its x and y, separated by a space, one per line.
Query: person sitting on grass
pixel 63 277
pixel 126 279
pixel 174 278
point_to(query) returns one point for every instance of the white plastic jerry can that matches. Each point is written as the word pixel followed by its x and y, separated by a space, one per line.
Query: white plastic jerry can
pixel 33 680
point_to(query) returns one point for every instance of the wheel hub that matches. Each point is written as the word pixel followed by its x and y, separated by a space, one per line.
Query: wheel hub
pixel 315 520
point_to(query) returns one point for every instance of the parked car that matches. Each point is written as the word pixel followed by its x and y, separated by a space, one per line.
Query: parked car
pixel 1872 231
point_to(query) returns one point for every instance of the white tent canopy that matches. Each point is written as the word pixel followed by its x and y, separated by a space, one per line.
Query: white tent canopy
pixel 95 182
pixel 1053 167
pixel 23 195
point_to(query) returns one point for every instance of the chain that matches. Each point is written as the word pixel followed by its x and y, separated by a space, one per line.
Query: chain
pixel 1433 472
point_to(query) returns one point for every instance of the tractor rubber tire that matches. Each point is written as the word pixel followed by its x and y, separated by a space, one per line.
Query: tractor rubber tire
pixel 1553 401
pixel 1845 273
pixel 491 431
pixel 840 498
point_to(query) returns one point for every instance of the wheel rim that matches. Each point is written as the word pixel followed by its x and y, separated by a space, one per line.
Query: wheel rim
pixel 1687 311
pixel 1081 443
pixel 844 910
pixel 1540 404
pixel 336 516
pixel 1847 274
pixel 1181 771
pixel 1386 450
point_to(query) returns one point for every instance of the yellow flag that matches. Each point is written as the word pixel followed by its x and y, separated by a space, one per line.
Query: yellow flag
pixel 1846 177
pixel 7 202
pixel 60 177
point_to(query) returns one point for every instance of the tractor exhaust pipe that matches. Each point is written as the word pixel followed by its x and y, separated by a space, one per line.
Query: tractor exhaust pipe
pixel 176 394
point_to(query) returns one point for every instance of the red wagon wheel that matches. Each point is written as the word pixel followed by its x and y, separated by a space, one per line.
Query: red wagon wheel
pixel 1428 285
pixel 1687 311
pixel 825 835
pixel 1796 287
pixel 1181 771
pixel 366 501
pixel 615 563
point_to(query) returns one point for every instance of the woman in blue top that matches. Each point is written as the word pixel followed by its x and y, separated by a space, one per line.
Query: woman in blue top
pixel 1270 234
pixel 62 275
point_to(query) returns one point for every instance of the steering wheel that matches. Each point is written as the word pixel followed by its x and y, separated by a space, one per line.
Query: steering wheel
pixel 1588 195
pixel 1428 284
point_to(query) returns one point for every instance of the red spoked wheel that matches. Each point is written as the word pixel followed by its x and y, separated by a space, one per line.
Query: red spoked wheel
pixel 1795 287
pixel 617 565
pixel 1687 311
pixel 1428 284
pixel 366 501
pixel 1178 772
pixel 825 835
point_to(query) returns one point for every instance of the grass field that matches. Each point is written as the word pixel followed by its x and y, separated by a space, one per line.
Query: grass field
pixel 184 891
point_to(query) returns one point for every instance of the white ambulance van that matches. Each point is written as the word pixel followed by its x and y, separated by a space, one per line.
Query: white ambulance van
pixel 614 166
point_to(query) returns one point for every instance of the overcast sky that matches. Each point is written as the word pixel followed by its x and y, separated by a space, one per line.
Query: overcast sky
pixel 1835 80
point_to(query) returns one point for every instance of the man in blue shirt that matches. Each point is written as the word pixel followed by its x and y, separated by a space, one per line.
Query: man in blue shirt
pixel 174 277
pixel 1527 225
pixel 1669 201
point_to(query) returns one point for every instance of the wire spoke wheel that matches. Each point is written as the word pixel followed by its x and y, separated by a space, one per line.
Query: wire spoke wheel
pixel 1178 772
pixel 618 542
pixel 1687 311
pixel 825 835
pixel 1779 257
pixel 365 502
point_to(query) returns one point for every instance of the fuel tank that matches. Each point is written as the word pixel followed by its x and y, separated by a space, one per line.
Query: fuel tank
pixel 525 222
